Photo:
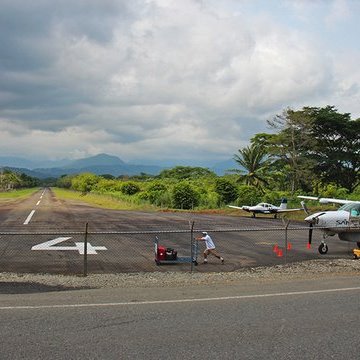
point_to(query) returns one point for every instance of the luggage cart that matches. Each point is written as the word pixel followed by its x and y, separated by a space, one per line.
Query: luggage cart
pixel 162 258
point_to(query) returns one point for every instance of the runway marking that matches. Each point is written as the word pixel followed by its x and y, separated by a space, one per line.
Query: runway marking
pixel 79 246
pixel 177 301
pixel 38 203
pixel 29 217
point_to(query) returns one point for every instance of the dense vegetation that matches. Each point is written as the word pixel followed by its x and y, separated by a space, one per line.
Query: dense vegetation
pixel 312 150
pixel 10 180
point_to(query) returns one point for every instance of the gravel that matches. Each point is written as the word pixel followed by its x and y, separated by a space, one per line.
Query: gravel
pixel 26 283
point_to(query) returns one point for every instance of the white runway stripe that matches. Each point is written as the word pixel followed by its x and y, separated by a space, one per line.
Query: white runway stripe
pixel 29 217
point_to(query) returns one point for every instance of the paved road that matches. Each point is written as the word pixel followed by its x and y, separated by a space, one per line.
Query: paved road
pixel 42 218
pixel 302 319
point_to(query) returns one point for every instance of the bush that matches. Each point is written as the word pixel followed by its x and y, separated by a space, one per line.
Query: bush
pixel 248 195
pixel 184 196
pixel 130 188
pixel 85 182
pixel 226 190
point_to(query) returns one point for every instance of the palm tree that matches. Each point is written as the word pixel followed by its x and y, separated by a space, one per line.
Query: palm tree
pixel 255 160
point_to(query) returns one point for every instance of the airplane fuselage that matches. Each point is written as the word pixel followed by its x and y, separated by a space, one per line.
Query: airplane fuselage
pixel 336 222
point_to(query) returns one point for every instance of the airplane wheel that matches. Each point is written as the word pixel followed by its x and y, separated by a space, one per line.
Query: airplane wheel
pixel 323 249
pixel 358 244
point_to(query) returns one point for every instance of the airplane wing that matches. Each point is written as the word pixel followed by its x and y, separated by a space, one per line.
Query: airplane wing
pixel 245 208
pixel 288 210
pixel 235 207
pixel 328 200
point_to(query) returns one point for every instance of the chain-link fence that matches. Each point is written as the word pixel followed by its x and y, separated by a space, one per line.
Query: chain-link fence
pixel 83 252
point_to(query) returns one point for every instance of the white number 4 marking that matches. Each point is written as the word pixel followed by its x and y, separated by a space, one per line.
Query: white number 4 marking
pixel 79 246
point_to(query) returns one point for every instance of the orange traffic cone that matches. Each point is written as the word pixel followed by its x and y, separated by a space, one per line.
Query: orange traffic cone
pixel 308 246
pixel 275 248
pixel 279 253
pixel 289 246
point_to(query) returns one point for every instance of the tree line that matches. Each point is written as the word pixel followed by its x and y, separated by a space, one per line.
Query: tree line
pixel 10 180
pixel 307 149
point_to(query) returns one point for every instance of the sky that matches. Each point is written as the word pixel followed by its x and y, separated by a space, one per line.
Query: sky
pixel 167 81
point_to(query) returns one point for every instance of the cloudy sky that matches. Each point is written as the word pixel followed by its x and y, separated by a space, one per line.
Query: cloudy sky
pixel 159 81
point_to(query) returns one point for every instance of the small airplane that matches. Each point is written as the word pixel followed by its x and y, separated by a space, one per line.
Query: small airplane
pixel 345 222
pixel 266 208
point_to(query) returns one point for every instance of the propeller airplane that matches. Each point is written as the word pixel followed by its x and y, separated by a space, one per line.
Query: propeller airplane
pixel 266 208
pixel 344 222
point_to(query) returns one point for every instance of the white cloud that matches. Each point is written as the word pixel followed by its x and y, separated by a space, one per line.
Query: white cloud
pixel 145 80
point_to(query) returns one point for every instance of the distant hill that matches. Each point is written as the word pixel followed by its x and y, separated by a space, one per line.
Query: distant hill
pixel 97 160
pixel 100 164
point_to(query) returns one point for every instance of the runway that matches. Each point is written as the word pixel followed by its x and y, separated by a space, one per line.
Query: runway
pixel 46 234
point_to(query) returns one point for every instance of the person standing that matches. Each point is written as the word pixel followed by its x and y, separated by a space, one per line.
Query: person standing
pixel 210 247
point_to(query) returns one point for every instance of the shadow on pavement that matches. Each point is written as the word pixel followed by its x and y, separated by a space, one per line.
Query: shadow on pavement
pixel 8 287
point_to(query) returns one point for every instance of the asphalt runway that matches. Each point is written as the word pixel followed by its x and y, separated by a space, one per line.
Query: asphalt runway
pixel 43 234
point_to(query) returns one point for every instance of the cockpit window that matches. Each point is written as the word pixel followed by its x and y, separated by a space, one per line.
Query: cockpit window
pixel 352 208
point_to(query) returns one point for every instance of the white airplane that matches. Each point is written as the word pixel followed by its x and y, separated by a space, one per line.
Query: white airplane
pixel 345 222
pixel 265 208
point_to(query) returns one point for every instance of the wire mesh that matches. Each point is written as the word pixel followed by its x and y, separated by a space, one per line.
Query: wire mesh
pixel 130 250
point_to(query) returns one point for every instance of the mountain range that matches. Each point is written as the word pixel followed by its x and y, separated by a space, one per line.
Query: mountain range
pixel 99 164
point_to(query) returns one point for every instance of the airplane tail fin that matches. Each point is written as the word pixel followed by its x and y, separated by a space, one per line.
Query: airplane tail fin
pixel 283 204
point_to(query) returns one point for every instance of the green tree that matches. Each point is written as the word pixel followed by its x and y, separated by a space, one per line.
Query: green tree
pixel 130 188
pixel 9 180
pixel 186 172
pixel 226 190
pixel 184 196
pixel 255 160
pixel 248 195
pixel 289 146
pixel 65 181
pixel 315 143
pixel 85 182
pixel 337 147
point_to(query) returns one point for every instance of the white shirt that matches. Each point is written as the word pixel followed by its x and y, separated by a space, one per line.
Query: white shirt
pixel 208 242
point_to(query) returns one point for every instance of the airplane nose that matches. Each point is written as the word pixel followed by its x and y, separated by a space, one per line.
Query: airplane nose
pixel 314 218
pixel 310 219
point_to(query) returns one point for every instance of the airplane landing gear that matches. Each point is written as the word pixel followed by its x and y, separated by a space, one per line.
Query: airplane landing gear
pixel 323 248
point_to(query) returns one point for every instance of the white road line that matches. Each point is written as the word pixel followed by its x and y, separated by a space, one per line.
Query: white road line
pixel 38 203
pixel 177 301
pixel 29 217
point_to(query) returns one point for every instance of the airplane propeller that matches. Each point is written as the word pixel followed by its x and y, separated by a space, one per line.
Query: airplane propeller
pixel 310 233
pixel 312 220
pixel 305 208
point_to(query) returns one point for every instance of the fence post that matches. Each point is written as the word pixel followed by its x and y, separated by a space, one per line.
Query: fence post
pixel 85 249
pixel 286 239
pixel 192 245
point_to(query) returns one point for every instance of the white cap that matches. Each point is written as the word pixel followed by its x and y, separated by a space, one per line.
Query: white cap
pixel 204 233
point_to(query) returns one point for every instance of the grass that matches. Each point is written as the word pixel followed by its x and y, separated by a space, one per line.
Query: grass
pixel 102 201
pixel 16 194
pixel 115 203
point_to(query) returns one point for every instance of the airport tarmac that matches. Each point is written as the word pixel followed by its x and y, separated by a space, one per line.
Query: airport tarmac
pixel 43 234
